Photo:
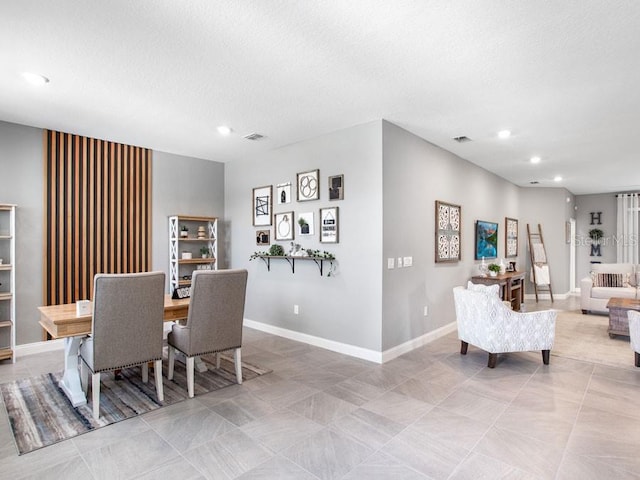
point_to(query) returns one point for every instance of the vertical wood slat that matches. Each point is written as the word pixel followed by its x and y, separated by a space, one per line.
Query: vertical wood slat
pixel 97 204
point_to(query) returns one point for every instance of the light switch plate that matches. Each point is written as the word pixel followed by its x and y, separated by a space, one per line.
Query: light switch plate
pixel 391 263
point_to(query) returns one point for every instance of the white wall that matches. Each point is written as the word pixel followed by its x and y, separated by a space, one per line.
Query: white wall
pixel 344 308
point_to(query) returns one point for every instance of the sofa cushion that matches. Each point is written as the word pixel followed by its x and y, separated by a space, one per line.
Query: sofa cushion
pixel 610 279
pixel 610 292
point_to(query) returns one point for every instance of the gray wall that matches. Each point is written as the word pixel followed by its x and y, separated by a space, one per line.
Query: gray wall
pixel 605 203
pixel 416 174
pixel 346 307
pixel 180 185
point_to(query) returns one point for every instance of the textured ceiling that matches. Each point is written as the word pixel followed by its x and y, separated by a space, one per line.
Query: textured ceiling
pixel 564 76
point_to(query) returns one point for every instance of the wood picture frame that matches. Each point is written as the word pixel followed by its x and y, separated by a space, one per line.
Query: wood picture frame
pixel 448 232
pixel 486 244
pixel 263 237
pixel 308 187
pixel 510 237
pixel 329 225
pixel 262 206
pixel 336 187
pixel 284 226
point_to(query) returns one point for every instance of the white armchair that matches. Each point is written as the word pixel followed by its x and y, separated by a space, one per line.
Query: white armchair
pixel 634 334
pixel 484 321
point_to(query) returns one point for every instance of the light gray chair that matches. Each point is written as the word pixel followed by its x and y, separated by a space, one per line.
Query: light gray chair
pixel 634 334
pixel 214 322
pixel 128 311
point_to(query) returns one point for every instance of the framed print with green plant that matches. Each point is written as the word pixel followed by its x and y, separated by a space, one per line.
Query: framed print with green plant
pixel 510 237
pixel 305 223
pixel 308 188
pixel 284 226
pixel 448 233
pixel 329 225
pixel 262 205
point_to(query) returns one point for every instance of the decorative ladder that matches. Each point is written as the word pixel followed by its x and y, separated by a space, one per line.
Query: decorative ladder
pixel 540 274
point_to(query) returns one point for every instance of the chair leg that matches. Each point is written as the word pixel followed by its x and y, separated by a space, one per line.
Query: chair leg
pixel 157 373
pixel 218 361
pixel 237 360
pixel 637 359
pixel 493 359
pixel 145 372
pixel 463 347
pixel 545 356
pixel 190 368
pixel 95 395
pixel 172 359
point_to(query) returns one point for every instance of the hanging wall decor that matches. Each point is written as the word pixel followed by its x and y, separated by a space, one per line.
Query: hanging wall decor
pixel 336 187
pixel 283 193
pixel 486 239
pixel 262 204
pixel 448 236
pixel 511 237
pixel 329 225
pixel 308 185
pixel 284 226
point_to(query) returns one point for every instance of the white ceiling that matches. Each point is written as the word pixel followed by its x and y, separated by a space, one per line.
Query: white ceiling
pixel 563 75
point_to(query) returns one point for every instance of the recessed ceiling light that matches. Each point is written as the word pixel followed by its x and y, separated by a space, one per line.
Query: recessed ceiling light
pixel 557 178
pixel 224 130
pixel 535 160
pixel 35 79
pixel 504 133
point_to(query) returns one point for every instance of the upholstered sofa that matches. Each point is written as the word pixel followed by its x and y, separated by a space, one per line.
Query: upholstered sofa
pixel 607 280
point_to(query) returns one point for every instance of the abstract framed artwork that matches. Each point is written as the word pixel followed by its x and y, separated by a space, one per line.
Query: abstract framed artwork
pixel 284 226
pixel 263 237
pixel 336 187
pixel 510 237
pixel 262 205
pixel 329 225
pixel 486 244
pixel 305 223
pixel 283 193
pixel 448 236
pixel 308 188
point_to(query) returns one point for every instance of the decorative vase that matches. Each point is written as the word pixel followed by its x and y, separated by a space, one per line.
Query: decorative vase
pixel 492 273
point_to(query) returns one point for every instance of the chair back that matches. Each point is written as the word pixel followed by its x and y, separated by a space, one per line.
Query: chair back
pixel 127 325
pixel 634 330
pixel 216 310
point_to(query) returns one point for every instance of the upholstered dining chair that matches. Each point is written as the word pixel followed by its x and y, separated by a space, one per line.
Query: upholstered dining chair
pixel 486 322
pixel 634 334
pixel 127 326
pixel 214 321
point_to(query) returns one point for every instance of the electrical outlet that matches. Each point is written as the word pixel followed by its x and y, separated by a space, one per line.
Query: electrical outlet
pixel 399 262
pixel 426 310
pixel 391 263
pixel 407 261
pixel 296 310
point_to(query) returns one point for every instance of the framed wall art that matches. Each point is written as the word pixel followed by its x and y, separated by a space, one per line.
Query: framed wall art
pixel 262 205
pixel 329 225
pixel 448 236
pixel 283 193
pixel 263 237
pixel 336 187
pixel 305 223
pixel 284 226
pixel 510 237
pixel 486 240
pixel 308 185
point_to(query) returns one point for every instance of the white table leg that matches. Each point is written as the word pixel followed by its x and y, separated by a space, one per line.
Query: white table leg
pixel 70 382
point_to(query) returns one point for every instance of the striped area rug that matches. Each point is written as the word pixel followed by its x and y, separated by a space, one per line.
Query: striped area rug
pixel 41 414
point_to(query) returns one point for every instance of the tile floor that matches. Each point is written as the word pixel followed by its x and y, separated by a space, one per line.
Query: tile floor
pixel 430 414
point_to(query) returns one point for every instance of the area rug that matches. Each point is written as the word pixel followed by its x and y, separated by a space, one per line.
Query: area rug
pixel 41 414
pixel 585 337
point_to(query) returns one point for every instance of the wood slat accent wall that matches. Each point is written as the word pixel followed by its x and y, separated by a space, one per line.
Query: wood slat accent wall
pixel 97 213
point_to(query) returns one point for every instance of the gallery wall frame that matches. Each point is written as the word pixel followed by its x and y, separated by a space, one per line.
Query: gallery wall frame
pixel 308 187
pixel 263 237
pixel 336 187
pixel 305 223
pixel 283 193
pixel 486 241
pixel 284 226
pixel 329 225
pixel 510 237
pixel 448 232
pixel 262 205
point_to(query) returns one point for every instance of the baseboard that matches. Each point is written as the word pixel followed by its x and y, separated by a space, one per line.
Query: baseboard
pixel 547 296
pixel 352 350
pixel 39 347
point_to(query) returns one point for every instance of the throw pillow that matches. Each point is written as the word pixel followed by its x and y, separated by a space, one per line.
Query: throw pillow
pixel 610 279
pixel 487 289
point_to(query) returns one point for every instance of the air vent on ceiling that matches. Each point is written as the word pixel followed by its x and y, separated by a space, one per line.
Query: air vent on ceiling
pixel 254 136
pixel 534 182
pixel 462 139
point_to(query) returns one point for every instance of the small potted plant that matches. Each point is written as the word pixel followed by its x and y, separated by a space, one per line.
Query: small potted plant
pixel 494 269
pixel 304 226
pixel 184 231
pixel 204 251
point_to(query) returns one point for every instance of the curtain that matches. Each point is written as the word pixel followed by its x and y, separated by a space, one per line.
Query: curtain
pixel 627 231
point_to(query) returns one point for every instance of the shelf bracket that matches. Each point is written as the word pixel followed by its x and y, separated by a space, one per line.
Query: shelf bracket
pixel 267 262
pixel 320 263
pixel 292 262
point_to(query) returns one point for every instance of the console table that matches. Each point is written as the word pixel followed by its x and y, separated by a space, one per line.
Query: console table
pixel 511 286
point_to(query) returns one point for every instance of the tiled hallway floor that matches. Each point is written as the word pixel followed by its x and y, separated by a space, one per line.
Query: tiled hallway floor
pixel 430 414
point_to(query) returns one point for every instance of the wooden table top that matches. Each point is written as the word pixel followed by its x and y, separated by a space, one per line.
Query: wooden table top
pixel 628 303
pixel 62 321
